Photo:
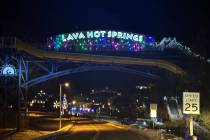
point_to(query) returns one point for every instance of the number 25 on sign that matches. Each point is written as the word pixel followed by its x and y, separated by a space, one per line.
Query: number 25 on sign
pixel 191 103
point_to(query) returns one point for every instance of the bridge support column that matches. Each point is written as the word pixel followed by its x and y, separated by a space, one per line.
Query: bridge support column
pixel 19 118
pixel 22 99
pixel 26 68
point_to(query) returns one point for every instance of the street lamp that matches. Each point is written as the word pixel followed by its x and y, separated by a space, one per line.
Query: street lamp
pixel 109 104
pixel 66 85
pixel 74 102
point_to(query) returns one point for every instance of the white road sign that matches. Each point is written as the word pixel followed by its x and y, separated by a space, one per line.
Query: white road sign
pixel 153 110
pixel 191 103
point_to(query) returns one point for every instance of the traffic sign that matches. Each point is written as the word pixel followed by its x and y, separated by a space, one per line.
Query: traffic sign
pixel 153 110
pixel 191 103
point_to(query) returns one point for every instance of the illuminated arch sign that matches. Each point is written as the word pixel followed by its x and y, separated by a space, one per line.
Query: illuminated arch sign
pixel 100 40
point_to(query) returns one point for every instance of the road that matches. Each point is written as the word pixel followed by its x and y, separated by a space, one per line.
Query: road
pixel 87 129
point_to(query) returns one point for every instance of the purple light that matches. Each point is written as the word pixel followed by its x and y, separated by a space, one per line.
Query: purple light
pixel 65 45
pixel 90 44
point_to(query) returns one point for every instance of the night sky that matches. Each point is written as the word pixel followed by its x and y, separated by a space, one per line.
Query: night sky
pixel 185 20
pixel 188 21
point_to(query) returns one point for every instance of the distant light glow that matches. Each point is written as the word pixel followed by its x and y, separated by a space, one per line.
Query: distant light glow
pixel 74 102
pixel 66 84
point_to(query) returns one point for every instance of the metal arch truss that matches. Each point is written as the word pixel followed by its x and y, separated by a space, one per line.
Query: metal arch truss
pixel 54 69
pixel 83 68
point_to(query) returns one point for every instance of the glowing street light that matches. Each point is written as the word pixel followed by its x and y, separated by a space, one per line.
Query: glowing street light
pixel 109 104
pixel 66 84
pixel 74 102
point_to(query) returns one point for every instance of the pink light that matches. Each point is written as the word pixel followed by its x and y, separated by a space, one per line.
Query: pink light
pixel 90 43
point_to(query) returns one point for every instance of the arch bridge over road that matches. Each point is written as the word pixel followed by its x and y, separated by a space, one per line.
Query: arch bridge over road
pixel 26 54
pixel 22 55
pixel 29 54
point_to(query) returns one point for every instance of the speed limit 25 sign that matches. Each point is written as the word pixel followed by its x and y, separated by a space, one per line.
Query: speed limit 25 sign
pixel 191 103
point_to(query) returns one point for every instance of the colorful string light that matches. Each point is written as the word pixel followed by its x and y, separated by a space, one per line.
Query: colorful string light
pixel 114 41
pixel 173 43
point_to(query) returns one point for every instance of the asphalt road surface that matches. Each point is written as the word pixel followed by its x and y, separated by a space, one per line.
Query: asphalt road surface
pixel 96 130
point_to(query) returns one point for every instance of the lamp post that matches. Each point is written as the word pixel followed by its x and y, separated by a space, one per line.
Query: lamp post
pixel 110 111
pixel 60 95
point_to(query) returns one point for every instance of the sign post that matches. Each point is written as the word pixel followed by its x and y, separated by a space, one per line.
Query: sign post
pixel 191 106
pixel 153 113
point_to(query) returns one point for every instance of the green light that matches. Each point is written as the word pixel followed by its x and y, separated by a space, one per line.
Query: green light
pixel 121 40
pixel 81 36
pixel 90 34
pixel 62 37
pixel 140 38
pixel 57 46
pixel 97 34
pixel 75 35
pixel 135 37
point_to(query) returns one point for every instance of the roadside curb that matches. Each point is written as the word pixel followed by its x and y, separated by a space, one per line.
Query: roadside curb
pixel 56 133
pixel 160 135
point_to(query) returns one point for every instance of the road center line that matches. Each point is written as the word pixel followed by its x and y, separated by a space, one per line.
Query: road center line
pixel 97 133
pixel 115 126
